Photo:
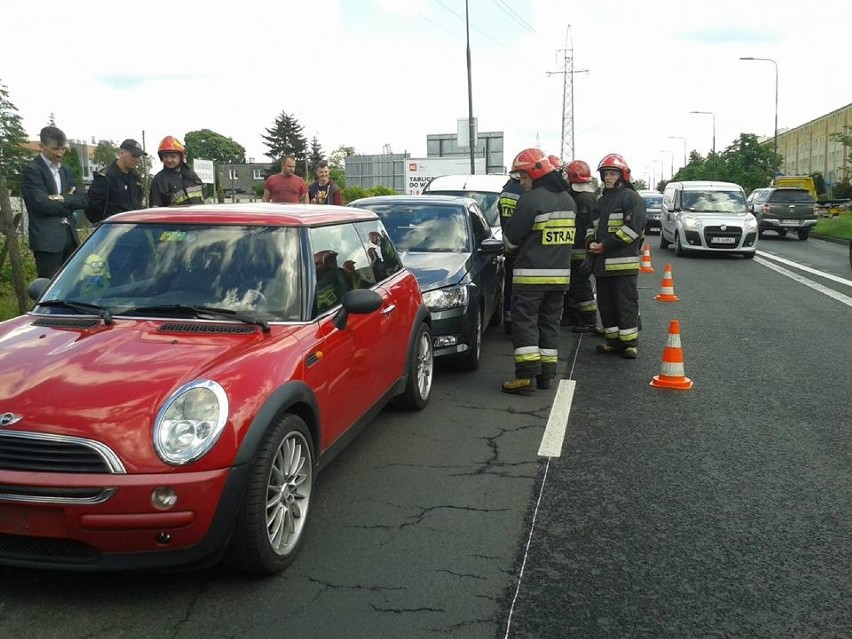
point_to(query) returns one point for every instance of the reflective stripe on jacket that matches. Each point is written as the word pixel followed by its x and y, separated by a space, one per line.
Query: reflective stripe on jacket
pixel 620 228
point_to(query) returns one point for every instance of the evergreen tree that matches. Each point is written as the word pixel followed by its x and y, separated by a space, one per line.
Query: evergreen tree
pixel 13 156
pixel 286 138
pixel 315 156
pixel 104 154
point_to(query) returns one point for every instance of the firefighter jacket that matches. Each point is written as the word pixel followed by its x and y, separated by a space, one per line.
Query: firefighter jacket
pixel 113 191
pixel 620 228
pixel 587 205
pixel 180 187
pixel 507 203
pixel 542 230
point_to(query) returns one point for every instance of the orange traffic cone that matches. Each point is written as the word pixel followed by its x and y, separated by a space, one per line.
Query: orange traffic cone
pixel 667 293
pixel 671 371
pixel 646 266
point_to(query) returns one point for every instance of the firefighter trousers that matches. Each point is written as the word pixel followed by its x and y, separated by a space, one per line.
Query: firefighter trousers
pixel 535 331
pixel 580 305
pixel 618 303
pixel 509 267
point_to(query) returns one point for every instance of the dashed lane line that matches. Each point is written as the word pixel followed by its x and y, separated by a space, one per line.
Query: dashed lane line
pixel 554 432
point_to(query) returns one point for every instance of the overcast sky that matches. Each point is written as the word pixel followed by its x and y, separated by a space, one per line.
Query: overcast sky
pixel 369 73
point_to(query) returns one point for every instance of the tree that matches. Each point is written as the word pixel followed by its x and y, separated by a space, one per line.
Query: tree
pixel 286 138
pixel 337 164
pixel 315 156
pixel 13 155
pixel 747 162
pixel 209 145
pixel 104 153
pixel 72 160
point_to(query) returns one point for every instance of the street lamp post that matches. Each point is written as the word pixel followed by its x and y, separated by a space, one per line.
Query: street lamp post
pixel 662 171
pixel 713 147
pixel 671 157
pixel 680 137
pixel 775 144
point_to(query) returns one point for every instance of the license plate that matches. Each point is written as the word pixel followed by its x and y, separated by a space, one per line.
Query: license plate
pixel 31 520
pixel 789 222
pixel 724 240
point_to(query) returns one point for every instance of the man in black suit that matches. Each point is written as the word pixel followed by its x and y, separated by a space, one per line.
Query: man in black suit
pixel 50 194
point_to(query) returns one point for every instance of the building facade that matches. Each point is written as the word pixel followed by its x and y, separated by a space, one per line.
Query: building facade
pixel 811 147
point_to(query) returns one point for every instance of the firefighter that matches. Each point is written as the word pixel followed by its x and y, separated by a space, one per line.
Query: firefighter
pixel 581 309
pixel 512 190
pixel 541 232
pixel 176 184
pixel 613 245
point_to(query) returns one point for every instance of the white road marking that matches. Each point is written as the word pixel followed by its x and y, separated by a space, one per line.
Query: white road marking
pixel 840 297
pixel 554 432
pixel 807 269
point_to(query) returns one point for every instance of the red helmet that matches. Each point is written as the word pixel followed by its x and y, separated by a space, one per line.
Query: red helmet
pixel 578 172
pixel 533 162
pixel 171 144
pixel 555 161
pixel 617 163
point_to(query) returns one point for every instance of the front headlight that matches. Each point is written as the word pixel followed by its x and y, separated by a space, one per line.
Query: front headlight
pixel 190 422
pixel 750 223
pixel 446 298
pixel 691 222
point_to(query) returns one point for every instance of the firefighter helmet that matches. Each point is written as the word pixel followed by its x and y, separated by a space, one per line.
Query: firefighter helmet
pixel 171 144
pixel 615 162
pixel 532 162
pixel 578 172
pixel 555 161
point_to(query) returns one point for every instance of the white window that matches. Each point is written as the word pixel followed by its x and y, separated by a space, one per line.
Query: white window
pixel 232 174
pixel 256 174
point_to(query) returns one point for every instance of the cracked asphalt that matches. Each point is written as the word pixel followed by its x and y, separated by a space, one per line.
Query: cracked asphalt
pixel 723 511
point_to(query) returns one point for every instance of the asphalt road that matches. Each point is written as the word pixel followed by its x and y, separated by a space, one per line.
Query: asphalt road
pixel 723 511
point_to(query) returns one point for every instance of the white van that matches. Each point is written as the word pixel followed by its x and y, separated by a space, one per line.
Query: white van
pixel 485 189
pixel 709 217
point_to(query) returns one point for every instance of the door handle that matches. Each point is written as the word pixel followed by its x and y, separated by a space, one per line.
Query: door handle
pixel 389 309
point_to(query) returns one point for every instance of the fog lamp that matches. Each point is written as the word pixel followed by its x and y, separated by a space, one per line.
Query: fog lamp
pixel 164 497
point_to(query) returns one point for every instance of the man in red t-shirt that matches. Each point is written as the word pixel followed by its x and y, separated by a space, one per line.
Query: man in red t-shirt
pixel 286 186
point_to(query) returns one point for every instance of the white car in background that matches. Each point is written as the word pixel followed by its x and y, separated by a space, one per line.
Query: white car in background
pixel 485 189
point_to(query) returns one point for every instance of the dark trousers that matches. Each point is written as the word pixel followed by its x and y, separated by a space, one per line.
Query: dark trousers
pixel 535 331
pixel 580 306
pixel 48 264
pixel 618 302
pixel 509 266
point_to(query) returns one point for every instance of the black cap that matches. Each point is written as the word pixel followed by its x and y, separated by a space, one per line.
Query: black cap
pixel 133 147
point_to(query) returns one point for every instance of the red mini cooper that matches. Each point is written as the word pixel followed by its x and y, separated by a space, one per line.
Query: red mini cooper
pixel 177 386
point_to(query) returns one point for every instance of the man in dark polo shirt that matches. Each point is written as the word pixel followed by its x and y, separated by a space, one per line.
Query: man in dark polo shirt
pixel 118 187
pixel 286 186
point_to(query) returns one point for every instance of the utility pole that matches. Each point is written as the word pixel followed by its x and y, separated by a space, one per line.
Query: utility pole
pixel 470 122
pixel 566 151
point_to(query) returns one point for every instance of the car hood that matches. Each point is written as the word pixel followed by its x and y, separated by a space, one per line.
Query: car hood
pixel 716 219
pixel 437 270
pixel 87 382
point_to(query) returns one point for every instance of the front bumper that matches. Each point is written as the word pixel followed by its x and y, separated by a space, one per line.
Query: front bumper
pixel 125 531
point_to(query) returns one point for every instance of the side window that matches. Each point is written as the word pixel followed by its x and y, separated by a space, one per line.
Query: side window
pixel 481 230
pixel 383 259
pixel 668 199
pixel 340 265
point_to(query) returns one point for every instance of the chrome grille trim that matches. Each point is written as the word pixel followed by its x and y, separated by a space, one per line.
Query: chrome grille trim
pixel 110 459
pixel 99 496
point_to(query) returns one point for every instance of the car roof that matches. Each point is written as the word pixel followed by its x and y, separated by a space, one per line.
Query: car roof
pixel 486 183
pixel 259 213
pixel 706 185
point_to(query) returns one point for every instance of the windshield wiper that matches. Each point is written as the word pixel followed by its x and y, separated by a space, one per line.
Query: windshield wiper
pixel 198 311
pixel 82 307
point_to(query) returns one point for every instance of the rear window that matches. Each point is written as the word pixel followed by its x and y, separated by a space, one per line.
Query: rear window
pixel 487 202
pixel 653 201
pixel 798 196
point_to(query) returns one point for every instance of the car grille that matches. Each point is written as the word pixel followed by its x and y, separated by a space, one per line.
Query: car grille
pixel 43 453
pixel 44 549
pixel 715 237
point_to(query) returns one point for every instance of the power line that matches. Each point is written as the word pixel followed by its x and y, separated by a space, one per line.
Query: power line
pixel 509 11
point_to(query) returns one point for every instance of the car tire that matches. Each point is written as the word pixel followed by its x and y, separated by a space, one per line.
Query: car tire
pixel 272 517
pixel 804 233
pixel 470 360
pixel 679 250
pixel 421 367
pixel 664 243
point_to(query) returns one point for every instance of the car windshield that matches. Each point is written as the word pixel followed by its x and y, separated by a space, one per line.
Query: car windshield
pixel 792 195
pixel 175 269
pixel 425 227
pixel 487 202
pixel 714 201
pixel 653 201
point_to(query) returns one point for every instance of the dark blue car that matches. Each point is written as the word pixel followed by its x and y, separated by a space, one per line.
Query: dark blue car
pixel 449 246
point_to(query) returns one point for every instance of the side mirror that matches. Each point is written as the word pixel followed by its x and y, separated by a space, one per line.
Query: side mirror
pixel 490 246
pixel 37 287
pixel 361 301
